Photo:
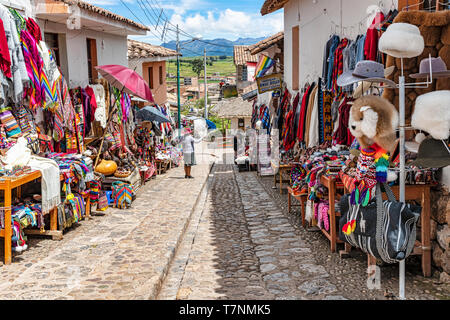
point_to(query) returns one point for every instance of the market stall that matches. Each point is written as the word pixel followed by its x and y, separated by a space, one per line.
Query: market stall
pixel 369 135
pixel 66 149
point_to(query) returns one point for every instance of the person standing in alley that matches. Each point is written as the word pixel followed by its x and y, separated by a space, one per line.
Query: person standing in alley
pixel 188 142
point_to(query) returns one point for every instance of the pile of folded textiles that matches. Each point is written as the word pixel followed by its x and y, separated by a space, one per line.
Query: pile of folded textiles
pixel 24 215
pixel 76 169
pixel 71 211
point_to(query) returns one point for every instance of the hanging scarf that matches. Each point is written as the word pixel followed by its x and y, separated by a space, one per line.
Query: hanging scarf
pixel 49 77
pixel 34 66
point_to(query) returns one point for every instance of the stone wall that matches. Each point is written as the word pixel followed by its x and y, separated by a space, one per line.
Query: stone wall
pixel 435 29
pixel 440 231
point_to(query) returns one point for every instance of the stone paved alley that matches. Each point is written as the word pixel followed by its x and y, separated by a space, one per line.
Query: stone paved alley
pixel 222 235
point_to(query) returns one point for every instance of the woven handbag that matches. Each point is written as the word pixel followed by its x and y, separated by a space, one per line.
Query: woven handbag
pixel 103 203
pixel 122 194
pixel 383 229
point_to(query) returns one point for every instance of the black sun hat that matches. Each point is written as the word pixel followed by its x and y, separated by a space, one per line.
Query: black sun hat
pixel 432 154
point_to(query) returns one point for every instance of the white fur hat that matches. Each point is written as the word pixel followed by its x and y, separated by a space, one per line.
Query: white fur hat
pixel 402 40
pixel 432 114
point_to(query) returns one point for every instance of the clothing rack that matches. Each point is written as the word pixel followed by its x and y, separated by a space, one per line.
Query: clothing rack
pixel 402 85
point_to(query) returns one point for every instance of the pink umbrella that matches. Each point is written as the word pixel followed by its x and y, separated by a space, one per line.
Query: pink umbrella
pixel 127 80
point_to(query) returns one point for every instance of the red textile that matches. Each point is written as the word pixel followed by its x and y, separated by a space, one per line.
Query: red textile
pixel 338 67
pixel 34 29
pixel 5 58
pixel 371 43
pixel 343 136
pixel 301 121
pixel 93 102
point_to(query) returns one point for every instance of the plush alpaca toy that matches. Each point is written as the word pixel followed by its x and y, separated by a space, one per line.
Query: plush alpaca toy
pixel 374 120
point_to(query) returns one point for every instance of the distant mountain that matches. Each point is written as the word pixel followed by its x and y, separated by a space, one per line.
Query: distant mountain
pixel 216 47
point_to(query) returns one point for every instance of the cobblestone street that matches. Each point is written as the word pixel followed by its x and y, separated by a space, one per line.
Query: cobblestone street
pixel 223 235
pixel 242 244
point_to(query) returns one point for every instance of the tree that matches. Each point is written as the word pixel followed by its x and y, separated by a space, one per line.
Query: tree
pixel 197 67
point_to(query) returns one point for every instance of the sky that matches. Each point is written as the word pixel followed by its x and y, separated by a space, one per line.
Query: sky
pixel 206 19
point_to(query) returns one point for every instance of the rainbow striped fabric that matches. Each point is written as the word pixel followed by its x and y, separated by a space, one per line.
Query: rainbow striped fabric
pixel 11 126
pixel 264 64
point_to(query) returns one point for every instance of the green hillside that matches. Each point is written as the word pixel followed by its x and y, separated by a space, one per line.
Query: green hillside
pixel 224 67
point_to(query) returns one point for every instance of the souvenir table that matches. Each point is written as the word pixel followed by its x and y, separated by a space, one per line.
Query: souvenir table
pixel 333 184
pixel 8 184
pixel 282 168
pixel 421 193
pixel 302 199
pixel 162 165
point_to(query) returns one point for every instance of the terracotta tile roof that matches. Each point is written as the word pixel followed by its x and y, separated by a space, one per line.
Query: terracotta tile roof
pixel 103 12
pixel 233 107
pixel 270 6
pixel 242 55
pixel 140 50
pixel 266 43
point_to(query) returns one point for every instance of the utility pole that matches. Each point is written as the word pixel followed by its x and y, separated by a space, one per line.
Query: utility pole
pixel 178 82
pixel 206 89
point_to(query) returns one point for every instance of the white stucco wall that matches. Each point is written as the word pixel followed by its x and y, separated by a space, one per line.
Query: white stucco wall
pixel 235 123
pixel 111 49
pixel 316 28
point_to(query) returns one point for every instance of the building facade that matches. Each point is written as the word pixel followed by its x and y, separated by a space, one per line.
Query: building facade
pixel 245 64
pixel 150 62
pixel 83 36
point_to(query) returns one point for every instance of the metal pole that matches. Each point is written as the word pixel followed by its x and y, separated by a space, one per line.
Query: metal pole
pixel 206 88
pixel 402 170
pixel 178 82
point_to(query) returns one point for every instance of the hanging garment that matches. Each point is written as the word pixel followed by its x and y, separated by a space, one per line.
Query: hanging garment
pixel 389 19
pixel 25 120
pixel 360 48
pixel 34 66
pixel 34 29
pixel 19 73
pixel 100 111
pixel 320 95
pixel 311 102
pixel 326 56
pixel 338 66
pixel 303 111
pixel 331 55
pixel 65 106
pixel 5 58
pixel 49 77
pixel 372 37
pixel 288 142
pixel 297 108
pixel 343 136
pixel 313 139
pixel 327 118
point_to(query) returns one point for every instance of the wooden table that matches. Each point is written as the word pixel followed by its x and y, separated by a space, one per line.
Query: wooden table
pixel 333 184
pixel 282 168
pixel 302 198
pixel 161 166
pixel 419 192
pixel 8 184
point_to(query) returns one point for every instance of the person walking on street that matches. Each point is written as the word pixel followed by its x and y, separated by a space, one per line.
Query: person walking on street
pixel 188 142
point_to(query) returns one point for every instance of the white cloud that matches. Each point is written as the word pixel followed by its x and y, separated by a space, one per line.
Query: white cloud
pixel 180 7
pixel 229 24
